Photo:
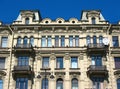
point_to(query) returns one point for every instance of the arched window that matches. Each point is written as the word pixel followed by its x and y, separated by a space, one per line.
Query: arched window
pixel 88 40
pixel 45 83
pixel 18 40
pixel 25 40
pixel 27 21
pixel 100 39
pixel 74 83
pixel 94 40
pixel 32 41
pixel 93 20
pixel 59 84
pixel 118 83
pixel 1 84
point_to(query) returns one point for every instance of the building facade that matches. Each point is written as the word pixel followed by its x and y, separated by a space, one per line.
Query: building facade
pixel 38 53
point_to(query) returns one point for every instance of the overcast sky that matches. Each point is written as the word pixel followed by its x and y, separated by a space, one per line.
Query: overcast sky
pixel 9 9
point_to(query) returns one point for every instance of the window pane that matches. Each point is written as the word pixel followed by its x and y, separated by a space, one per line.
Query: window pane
pixel 98 82
pixel 117 62
pixel 93 21
pixel 45 63
pixel 115 41
pixel 74 62
pixel 19 41
pixel 56 41
pixel 4 41
pixel 70 41
pixel 22 83
pixel 94 40
pixel 49 41
pixel 27 21
pixel 59 62
pixel 118 83
pixel 2 63
pixel 100 39
pixel 88 40
pixel 59 84
pixel 1 84
pixel 74 84
pixel 45 83
pixel 62 41
pixel 23 60
pixel 25 41
pixel 76 41
pixel 43 41
pixel 96 60
pixel 32 41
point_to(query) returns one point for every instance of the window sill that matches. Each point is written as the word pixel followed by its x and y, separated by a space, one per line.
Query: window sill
pixel 59 68
pixel 45 68
pixel 74 68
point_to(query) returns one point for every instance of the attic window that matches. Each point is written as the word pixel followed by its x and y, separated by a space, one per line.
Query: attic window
pixel 27 21
pixel 60 21
pixel 46 21
pixel 73 21
pixel 93 20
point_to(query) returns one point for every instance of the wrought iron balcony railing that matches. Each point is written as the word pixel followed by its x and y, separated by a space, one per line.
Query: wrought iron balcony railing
pixel 98 45
pixel 23 46
pixel 97 70
pixel 22 68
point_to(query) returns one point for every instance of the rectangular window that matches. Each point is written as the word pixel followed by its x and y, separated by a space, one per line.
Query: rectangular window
pixel 49 41
pixel 76 41
pixel 115 41
pixel 45 62
pixel 98 82
pixel 2 63
pixel 74 62
pixel 4 41
pixel 59 62
pixel 23 61
pixel 1 84
pixel 96 60
pixel 22 83
pixel 56 41
pixel 117 62
pixel 43 41
pixel 71 41
pixel 62 41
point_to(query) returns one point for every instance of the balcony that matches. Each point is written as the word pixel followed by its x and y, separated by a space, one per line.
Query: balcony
pixel 97 71
pixel 22 70
pixel 23 47
pixel 97 48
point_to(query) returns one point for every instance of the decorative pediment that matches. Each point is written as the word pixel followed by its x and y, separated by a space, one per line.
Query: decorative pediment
pixel 2 73
pixel 4 32
pixel 73 31
pixel 116 31
pixel 93 13
pixel 60 30
pixel 26 31
pixel 94 30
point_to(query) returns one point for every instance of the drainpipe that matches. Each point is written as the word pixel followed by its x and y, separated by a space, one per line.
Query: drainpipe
pixel 10 55
pixel 108 30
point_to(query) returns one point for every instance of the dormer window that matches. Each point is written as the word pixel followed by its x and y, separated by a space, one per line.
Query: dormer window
pixel 93 20
pixel 27 21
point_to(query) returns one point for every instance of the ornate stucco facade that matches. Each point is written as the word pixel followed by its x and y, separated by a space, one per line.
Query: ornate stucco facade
pixel 68 54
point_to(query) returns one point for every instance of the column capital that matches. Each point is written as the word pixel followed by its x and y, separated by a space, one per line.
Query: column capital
pixel 52 56
pixel 67 56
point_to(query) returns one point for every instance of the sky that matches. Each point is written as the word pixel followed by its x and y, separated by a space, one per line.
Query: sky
pixel 9 9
